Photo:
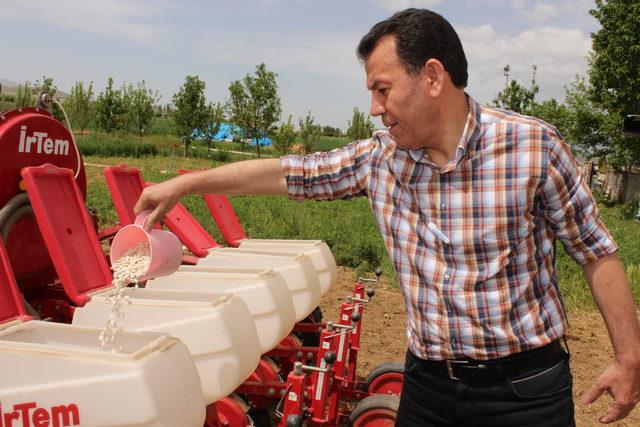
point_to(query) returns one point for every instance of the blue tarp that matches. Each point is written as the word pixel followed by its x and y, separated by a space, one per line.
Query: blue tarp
pixel 228 131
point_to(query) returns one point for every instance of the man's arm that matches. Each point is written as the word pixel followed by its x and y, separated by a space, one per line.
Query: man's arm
pixel 246 177
pixel 613 297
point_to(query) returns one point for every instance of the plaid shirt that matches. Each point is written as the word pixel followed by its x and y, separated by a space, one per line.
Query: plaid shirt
pixel 473 242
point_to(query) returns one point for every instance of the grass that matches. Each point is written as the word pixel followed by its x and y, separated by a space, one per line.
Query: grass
pixel 348 227
pixel 161 140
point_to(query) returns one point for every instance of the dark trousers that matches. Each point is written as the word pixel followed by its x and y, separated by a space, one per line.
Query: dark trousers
pixel 537 396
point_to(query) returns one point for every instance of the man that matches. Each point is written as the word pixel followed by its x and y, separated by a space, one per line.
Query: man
pixel 470 201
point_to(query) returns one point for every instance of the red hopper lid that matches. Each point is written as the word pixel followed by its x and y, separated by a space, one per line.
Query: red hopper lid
pixel 11 306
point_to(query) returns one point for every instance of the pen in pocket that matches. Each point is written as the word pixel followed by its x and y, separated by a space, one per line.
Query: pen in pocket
pixel 434 229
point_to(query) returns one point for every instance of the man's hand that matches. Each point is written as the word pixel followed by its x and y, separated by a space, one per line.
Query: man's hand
pixel 612 294
pixel 622 382
pixel 161 198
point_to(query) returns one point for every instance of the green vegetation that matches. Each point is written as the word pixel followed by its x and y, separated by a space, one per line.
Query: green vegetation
pixel 285 136
pixel 79 106
pixel 348 227
pixel 101 145
pixel 309 132
pixel 327 143
pixel 360 127
pixel 190 109
pixel 254 103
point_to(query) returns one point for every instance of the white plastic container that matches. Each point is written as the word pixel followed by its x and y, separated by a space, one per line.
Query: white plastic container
pixel 217 329
pixel 58 373
pixel 264 292
pixel 316 250
pixel 298 272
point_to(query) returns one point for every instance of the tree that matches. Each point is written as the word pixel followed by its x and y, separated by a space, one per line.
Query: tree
pixel 586 121
pixel 614 75
pixel 190 109
pixel 614 70
pixel 285 136
pixel 309 132
pixel 552 112
pixel 331 131
pixel 213 119
pixel 110 108
pixel 254 103
pixel 514 96
pixel 139 105
pixel 360 127
pixel 80 106
pixel 24 96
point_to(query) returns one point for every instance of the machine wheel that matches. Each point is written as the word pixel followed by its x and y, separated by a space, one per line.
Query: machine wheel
pixel 377 410
pixel 229 411
pixel 386 378
pixel 267 370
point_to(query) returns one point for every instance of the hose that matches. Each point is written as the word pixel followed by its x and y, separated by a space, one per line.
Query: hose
pixel 73 139
pixel 18 214
pixel 9 210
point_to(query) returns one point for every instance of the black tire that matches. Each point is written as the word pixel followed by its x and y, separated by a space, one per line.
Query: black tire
pixel 388 367
pixel 375 407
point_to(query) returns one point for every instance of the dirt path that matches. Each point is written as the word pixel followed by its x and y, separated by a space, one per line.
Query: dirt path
pixel 384 339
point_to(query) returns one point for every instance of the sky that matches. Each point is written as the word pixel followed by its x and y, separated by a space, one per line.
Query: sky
pixel 310 44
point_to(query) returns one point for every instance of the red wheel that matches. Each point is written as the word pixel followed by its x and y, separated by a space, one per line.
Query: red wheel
pixel 230 411
pixel 377 410
pixel 267 370
pixel 386 378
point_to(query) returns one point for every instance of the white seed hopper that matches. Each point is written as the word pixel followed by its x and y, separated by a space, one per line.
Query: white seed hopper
pixel 316 250
pixel 264 292
pixel 54 374
pixel 216 328
pixel 297 271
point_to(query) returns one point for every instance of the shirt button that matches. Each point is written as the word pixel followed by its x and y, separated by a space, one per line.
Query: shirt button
pixel 447 276
pixel 449 310
pixel 453 343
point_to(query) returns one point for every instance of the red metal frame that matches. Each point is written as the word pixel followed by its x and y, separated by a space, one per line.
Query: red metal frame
pixel 224 216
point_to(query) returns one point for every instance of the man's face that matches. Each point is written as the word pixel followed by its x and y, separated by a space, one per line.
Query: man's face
pixel 399 97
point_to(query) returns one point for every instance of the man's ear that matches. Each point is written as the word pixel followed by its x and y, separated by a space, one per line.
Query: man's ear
pixel 434 76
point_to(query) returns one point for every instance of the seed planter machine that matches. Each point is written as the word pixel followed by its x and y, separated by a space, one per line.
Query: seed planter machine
pixel 265 386
pixel 202 346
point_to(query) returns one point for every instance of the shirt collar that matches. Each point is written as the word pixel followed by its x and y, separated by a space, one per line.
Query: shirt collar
pixel 467 142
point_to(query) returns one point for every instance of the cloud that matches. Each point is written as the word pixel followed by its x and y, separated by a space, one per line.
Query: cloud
pixel 325 54
pixel 395 5
pixel 545 12
pixel 559 54
pixel 117 18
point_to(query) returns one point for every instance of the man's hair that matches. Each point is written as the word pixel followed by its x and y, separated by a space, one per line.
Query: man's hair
pixel 420 35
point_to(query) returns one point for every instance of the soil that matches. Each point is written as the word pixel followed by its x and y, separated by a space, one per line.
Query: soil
pixel 384 339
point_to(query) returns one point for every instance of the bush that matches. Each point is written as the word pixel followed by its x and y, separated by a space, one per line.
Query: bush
pixel 99 145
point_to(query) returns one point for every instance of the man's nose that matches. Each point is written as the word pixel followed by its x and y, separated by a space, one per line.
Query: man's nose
pixel 377 107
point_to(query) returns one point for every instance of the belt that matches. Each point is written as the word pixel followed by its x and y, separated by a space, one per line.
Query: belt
pixel 495 370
